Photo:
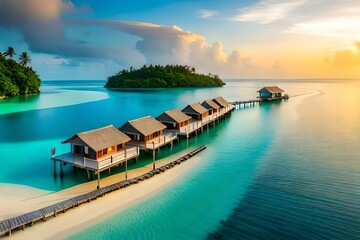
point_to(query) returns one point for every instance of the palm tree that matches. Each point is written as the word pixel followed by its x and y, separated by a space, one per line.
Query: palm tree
pixel 10 52
pixel 24 59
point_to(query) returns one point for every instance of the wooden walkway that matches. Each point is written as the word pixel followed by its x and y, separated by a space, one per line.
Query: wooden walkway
pixel 245 103
pixel 19 222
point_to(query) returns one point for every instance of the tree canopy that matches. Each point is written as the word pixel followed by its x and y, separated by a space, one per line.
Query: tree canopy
pixel 169 76
pixel 16 79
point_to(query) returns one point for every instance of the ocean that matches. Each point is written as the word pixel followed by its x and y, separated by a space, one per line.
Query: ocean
pixel 280 170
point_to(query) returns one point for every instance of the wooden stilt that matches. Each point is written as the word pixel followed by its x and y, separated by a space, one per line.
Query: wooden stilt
pixel 61 170
pixel 88 174
pixel 98 175
pixel 126 170
pixel 54 168
pixel 153 159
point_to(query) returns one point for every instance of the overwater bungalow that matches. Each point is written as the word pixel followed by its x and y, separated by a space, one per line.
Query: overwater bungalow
pixel 225 106
pixel 147 133
pixel 97 150
pixel 270 93
pixel 174 119
pixel 196 111
pixel 211 106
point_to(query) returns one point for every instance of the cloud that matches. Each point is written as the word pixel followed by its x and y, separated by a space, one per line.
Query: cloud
pixel 15 13
pixel 267 11
pixel 206 13
pixel 49 34
pixel 43 27
pixel 348 58
pixel 341 27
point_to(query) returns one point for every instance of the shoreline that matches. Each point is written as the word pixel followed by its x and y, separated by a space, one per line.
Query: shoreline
pixel 88 214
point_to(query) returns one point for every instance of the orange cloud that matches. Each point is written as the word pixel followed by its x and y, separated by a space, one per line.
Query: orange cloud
pixel 348 58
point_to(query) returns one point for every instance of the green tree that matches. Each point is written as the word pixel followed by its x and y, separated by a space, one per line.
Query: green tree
pixel 24 59
pixel 16 79
pixel 10 52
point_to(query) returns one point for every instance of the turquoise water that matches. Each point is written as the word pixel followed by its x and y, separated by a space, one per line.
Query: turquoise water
pixel 286 170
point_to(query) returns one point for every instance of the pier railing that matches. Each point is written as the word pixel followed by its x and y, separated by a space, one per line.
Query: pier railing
pixel 161 140
pixel 111 160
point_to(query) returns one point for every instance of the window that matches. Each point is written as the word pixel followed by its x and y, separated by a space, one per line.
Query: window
pixel 76 149
pixel 92 154
pixel 119 147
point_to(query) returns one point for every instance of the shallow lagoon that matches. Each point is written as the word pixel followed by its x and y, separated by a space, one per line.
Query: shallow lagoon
pixel 280 170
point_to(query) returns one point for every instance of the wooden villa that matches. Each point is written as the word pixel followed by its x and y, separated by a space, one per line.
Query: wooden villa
pixel 97 150
pixel 174 119
pixel 147 133
pixel 270 93
pixel 225 106
pixel 196 111
pixel 211 106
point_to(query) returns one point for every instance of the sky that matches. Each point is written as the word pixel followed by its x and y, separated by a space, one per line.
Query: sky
pixel 272 39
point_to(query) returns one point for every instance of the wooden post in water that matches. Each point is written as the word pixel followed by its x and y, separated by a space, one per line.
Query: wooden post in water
pixel 126 170
pixel 61 170
pixel 125 155
pixel 98 175
pixel 54 168
pixel 88 174
pixel 154 158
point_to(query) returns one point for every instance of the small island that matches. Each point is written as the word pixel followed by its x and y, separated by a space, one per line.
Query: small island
pixel 17 78
pixel 169 76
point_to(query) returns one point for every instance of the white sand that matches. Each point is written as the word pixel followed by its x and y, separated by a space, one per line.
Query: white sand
pixel 18 199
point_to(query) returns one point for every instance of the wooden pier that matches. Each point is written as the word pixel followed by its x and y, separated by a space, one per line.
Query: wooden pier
pixel 28 219
pixel 247 103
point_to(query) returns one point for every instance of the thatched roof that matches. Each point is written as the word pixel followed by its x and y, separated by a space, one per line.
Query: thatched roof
pixel 100 138
pixel 271 89
pixel 194 108
pixel 221 102
pixel 210 104
pixel 173 116
pixel 143 126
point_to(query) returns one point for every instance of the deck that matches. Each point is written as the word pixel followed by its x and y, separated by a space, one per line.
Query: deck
pixel 155 143
pixel 195 125
pixel 101 164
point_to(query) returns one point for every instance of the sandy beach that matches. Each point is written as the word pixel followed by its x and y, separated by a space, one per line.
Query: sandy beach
pixel 18 199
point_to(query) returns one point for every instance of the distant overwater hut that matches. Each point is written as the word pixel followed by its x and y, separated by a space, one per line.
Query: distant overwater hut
pixel 270 93
pixel 175 121
pixel 97 150
pixel 225 106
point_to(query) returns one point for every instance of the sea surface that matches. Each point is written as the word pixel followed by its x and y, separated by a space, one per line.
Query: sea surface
pixel 281 170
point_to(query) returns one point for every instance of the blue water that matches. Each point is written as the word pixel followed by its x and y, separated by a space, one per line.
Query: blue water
pixel 288 170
